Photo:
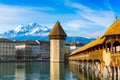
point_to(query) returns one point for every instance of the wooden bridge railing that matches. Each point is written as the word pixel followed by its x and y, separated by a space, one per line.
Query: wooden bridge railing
pixel 109 58
pixel 94 55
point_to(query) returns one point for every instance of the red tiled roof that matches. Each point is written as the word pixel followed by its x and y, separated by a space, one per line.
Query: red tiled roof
pixel 6 40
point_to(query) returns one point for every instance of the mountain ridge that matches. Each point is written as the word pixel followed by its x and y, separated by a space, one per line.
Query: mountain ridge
pixel 34 31
pixel 25 30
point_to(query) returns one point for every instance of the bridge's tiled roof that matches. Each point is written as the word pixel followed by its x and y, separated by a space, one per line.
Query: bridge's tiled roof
pixel 89 45
pixel 114 29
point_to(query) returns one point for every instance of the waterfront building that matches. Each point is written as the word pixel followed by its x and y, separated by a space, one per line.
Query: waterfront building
pixel 71 47
pixel 57 44
pixel 67 48
pixel 75 46
pixel 33 49
pixel 27 49
pixel 44 49
pixel 7 49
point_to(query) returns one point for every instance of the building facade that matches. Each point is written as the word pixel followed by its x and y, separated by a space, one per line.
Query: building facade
pixel 44 49
pixel 67 48
pixel 75 46
pixel 27 50
pixel 7 49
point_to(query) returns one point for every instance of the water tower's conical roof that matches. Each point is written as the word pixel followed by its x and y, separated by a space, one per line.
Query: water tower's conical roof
pixel 57 32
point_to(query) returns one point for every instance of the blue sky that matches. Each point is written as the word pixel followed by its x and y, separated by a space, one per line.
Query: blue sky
pixel 86 18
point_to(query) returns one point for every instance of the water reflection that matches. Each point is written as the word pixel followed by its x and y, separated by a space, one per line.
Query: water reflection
pixel 35 71
pixel 57 71
pixel 20 71
pixel 24 71
pixel 7 71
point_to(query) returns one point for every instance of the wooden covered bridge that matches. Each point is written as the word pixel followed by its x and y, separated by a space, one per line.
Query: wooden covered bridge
pixel 101 55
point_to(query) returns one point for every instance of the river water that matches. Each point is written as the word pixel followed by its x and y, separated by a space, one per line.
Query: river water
pixel 36 71
pixel 43 71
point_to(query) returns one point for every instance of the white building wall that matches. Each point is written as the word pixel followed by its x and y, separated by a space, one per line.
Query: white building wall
pixel 35 49
pixel 7 49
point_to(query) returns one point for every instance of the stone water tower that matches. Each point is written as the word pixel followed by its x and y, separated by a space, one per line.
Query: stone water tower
pixel 57 44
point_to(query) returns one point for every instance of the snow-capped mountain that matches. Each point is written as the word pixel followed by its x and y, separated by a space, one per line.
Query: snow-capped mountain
pixel 32 29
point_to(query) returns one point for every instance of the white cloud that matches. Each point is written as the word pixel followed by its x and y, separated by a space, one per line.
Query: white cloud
pixel 76 24
pixel 87 34
pixel 19 13
pixel 77 6
pixel 92 35
pixel 15 15
pixel 99 16
pixel 11 16
pixel 102 18
pixel 85 17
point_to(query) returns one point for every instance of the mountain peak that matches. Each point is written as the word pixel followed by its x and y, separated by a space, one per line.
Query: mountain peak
pixel 33 24
pixel 34 31
pixel 30 29
pixel 17 29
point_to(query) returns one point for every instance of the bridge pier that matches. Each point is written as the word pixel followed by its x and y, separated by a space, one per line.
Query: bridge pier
pixel 102 67
pixel 82 67
pixel 93 70
pixel 113 73
pixel 117 73
pixel 117 70
pixel 108 71
pixel 86 68
pixel 79 66
pixel 96 70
